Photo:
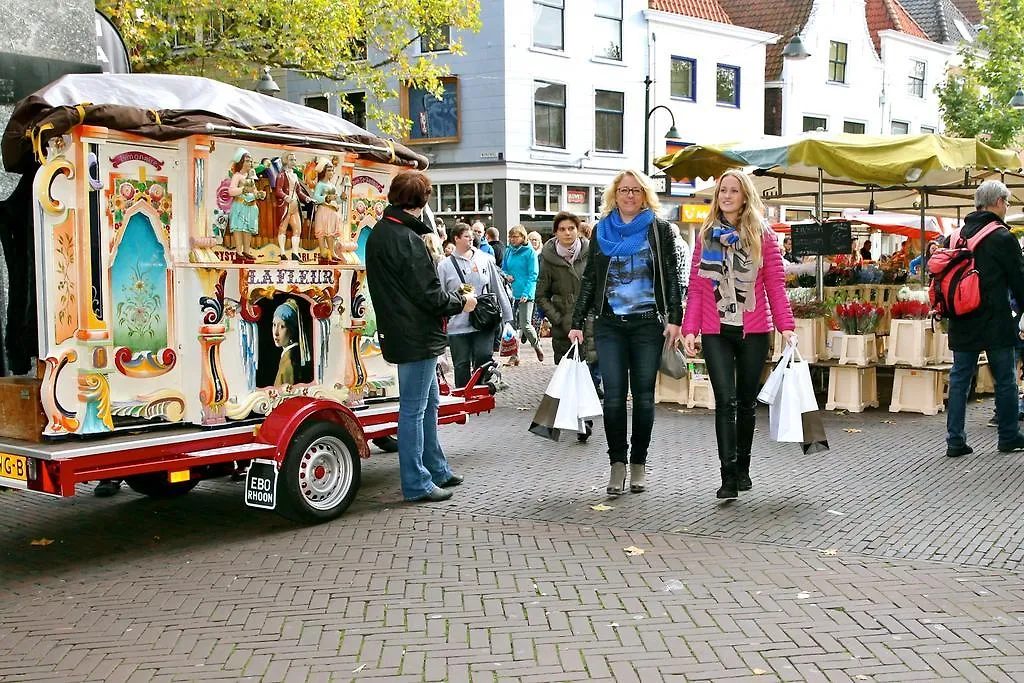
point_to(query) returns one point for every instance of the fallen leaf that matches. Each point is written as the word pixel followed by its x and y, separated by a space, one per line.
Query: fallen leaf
pixel 759 672
pixel 862 677
pixel 888 422
pixel 853 431
pixel 359 668
pixel 633 551
pixel 684 411
pixel 828 551
pixel 840 412
pixel 601 507
pixel 41 541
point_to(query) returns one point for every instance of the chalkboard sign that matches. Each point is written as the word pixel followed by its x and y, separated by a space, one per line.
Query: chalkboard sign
pixel 821 239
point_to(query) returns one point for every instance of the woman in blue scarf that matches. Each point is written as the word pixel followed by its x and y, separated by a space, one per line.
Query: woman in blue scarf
pixel 631 284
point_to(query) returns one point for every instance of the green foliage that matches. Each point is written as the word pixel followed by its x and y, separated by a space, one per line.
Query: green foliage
pixel 974 96
pixel 361 42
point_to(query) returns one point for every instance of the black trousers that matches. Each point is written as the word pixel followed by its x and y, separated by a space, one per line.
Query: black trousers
pixel 734 365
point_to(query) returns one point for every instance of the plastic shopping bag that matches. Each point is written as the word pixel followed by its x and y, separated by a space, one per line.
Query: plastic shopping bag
pixel 543 423
pixel 588 404
pixel 794 398
pixel 774 382
pixel 568 415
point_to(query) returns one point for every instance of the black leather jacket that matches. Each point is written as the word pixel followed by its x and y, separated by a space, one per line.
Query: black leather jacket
pixel 666 278
pixel 407 296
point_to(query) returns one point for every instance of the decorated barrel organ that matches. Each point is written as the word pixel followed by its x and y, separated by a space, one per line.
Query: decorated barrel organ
pixel 202 280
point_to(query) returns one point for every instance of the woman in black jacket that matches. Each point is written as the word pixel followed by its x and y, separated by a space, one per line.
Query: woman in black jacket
pixel 410 305
pixel 632 285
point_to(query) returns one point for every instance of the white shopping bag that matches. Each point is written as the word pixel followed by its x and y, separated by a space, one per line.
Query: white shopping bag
pixel 794 398
pixel 563 382
pixel 567 416
pixel 798 379
pixel 589 405
pixel 774 382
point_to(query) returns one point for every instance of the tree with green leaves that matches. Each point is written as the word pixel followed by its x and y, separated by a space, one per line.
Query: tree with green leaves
pixel 363 43
pixel 975 96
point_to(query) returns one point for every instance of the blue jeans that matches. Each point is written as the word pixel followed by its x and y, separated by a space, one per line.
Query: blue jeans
pixel 470 350
pixel 420 459
pixel 965 364
pixel 629 354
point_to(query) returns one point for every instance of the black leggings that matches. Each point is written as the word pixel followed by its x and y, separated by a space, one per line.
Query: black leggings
pixel 734 365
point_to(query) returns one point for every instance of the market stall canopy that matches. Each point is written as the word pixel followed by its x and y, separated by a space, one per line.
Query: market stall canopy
pixel 890 224
pixel 168 107
pixel 891 172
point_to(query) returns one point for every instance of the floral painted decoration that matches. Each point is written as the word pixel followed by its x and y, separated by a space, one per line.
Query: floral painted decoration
pixel 128 192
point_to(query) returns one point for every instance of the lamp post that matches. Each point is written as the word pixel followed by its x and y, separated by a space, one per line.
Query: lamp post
pixel 266 84
pixel 672 133
pixel 1017 101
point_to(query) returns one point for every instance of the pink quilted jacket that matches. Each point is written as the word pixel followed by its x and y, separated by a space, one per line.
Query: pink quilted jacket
pixel 770 305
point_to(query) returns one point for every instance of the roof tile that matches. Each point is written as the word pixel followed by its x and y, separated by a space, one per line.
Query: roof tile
pixel 772 16
pixel 701 9
pixel 890 14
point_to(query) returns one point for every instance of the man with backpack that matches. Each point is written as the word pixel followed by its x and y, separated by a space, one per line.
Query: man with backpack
pixel 980 318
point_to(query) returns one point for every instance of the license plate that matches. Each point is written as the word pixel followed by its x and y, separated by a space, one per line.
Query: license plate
pixel 13 467
pixel 261 484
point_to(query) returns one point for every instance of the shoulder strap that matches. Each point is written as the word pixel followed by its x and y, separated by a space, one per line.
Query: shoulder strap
pixel 458 271
pixel 972 243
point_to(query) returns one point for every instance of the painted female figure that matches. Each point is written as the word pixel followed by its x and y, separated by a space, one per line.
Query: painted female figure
pixel 327 219
pixel 290 336
pixel 244 218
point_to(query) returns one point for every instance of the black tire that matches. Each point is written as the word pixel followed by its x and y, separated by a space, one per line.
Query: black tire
pixel 320 475
pixel 388 444
pixel 157 485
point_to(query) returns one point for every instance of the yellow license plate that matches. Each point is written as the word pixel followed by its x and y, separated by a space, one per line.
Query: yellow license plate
pixel 13 467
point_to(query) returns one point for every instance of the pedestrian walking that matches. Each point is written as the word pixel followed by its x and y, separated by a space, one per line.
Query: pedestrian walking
pixel 480 239
pixel 562 264
pixel 991 327
pixel 736 277
pixel 471 348
pixel 410 306
pixel 521 266
pixel 631 284
pixel 493 239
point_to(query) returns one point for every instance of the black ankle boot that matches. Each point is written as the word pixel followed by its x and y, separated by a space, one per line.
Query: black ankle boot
pixel 728 490
pixel 743 482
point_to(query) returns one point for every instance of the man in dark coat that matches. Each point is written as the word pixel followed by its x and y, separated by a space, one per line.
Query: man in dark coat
pixel 992 327
pixel 411 305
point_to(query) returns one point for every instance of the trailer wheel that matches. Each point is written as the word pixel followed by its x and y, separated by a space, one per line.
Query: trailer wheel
pixel 320 474
pixel 388 444
pixel 157 485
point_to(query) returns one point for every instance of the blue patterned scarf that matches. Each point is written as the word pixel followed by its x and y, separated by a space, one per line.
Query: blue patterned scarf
pixel 617 238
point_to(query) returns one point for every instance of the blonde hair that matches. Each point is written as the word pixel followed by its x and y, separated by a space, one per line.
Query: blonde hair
pixel 517 230
pixel 608 199
pixel 537 235
pixel 434 246
pixel 751 222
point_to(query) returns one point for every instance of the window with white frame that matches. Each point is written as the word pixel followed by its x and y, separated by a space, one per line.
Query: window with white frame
pixel 926 130
pixel 900 127
pixel 837 62
pixel 918 71
pixel 728 85
pixel 461 198
pixel 608 29
pixel 540 198
pixel 608 112
pixel 549 114
pixel 815 123
pixel 549 24
pixel 683 78
pixel 436 39
pixel 856 127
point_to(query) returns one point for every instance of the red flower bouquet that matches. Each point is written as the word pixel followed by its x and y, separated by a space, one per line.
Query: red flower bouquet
pixel 859 317
pixel 910 310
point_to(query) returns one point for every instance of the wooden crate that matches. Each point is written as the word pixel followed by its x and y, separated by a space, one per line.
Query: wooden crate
pixel 21 411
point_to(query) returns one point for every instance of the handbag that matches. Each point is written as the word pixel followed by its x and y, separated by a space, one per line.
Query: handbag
pixel 673 363
pixel 486 316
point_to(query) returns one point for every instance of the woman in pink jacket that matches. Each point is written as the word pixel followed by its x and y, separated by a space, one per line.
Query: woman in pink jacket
pixel 735 278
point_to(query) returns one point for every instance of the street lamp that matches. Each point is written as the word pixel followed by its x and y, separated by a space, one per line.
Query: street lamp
pixel 672 133
pixel 795 47
pixel 266 83
pixel 1017 101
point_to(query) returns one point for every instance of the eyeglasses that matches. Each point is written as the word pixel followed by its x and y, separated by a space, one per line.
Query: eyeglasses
pixel 630 190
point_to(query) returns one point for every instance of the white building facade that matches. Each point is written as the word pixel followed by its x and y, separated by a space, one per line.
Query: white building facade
pixel 550 102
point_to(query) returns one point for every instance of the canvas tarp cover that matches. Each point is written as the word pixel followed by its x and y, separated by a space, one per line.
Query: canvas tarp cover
pixel 169 107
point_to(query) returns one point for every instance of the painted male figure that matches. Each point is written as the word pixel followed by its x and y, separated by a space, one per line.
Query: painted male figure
pixel 289 191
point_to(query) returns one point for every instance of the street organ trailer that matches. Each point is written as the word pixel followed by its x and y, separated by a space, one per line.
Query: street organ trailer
pixel 200 294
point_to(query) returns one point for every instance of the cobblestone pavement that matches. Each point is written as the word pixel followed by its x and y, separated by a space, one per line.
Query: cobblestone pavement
pixel 880 560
